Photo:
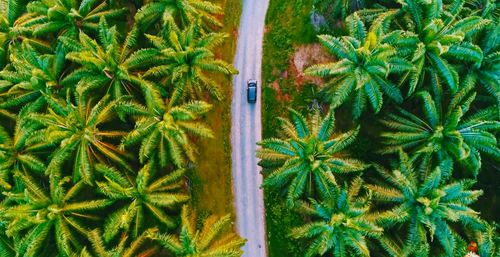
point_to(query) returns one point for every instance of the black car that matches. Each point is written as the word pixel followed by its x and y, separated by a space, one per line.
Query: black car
pixel 252 91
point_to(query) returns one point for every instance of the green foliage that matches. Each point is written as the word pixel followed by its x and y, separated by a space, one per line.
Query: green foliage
pixel 364 62
pixel 185 12
pixel 141 197
pixel 32 80
pixel 112 65
pixel 40 216
pixel 72 86
pixel 445 134
pixel 68 17
pixel 209 240
pixel 164 134
pixel 75 129
pixel 185 58
pixel 307 153
pixel 340 225
pixel 427 206
pixel 443 56
pixel 122 249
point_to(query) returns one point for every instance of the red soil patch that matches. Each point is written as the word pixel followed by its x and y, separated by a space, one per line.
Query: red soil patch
pixel 306 56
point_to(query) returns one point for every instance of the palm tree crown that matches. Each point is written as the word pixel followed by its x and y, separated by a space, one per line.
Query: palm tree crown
pixel 140 195
pixel 340 225
pixel 187 59
pixel 165 133
pixel 207 241
pixel 426 206
pixel 40 214
pixel 364 63
pixel 445 135
pixel 307 153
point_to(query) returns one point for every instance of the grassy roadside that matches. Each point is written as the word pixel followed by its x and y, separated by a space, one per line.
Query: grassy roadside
pixel 211 179
pixel 287 27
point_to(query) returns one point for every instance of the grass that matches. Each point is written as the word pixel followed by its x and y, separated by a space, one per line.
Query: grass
pixel 288 27
pixel 211 180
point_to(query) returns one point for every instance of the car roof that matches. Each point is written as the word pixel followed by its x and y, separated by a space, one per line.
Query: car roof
pixel 252 93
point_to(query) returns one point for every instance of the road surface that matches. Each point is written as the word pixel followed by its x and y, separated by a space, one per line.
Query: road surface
pixel 246 131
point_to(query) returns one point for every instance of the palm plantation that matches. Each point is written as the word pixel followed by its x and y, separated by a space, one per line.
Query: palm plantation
pixel 428 70
pixel 104 105
pixel 78 96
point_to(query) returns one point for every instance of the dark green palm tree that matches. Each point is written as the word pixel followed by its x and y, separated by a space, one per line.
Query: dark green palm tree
pixel 184 12
pixel 165 134
pixel 42 216
pixel 442 37
pixel 424 207
pixel 307 153
pixel 111 66
pixel 486 74
pixel 122 249
pixel 33 79
pixel 141 195
pixel 13 31
pixel 19 152
pixel 187 61
pixel 65 17
pixel 78 133
pixel 442 135
pixel 362 68
pixel 339 225
pixel 213 239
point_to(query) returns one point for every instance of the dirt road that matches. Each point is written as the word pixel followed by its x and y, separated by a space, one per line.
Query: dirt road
pixel 246 130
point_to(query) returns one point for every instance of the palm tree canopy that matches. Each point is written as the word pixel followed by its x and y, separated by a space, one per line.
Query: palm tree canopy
pixel 446 134
pixel 141 196
pixel 307 152
pixel 339 224
pixel 213 239
pixel 165 133
pixel 76 130
pixel 185 12
pixel 41 215
pixel 186 60
pixel 426 205
pixel 364 62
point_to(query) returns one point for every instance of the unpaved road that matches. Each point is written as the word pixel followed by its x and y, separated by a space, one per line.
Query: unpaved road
pixel 246 130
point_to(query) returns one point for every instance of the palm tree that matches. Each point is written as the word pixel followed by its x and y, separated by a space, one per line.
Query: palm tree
pixel 33 79
pixel 19 152
pixel 487 72
pixel 340 225
pixel 211 240
pixel 442 37
pixel 425 206
pixel 12 30
pixel 364 62
pixel 140 195
pixel 78 133
pixel 68 17
pixel 444 135
pixel 187 61
pixel 111 65
pixel 307 153
pixel 165 134
pixel 185 12
pixel 42 216
pixel 122 249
